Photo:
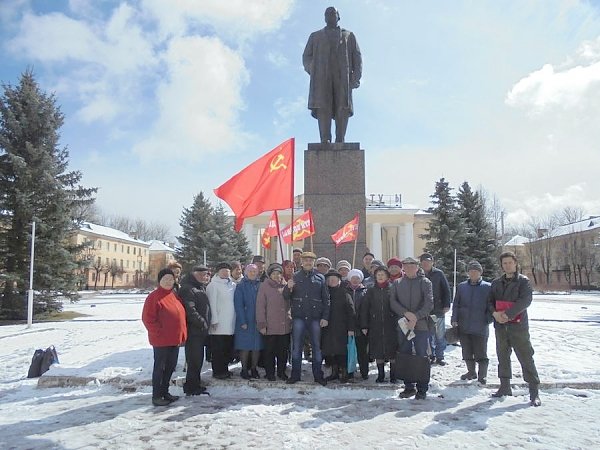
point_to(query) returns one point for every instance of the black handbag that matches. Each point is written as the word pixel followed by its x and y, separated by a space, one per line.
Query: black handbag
pixel 452 336
pixel 412 368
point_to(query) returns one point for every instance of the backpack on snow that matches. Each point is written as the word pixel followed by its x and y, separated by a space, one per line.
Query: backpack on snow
pixel 41 361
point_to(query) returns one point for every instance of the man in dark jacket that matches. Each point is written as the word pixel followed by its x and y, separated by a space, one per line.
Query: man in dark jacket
pixel 309 297
pixel 197 312
pixel 509 299
pixel 412 299
pixel 441 305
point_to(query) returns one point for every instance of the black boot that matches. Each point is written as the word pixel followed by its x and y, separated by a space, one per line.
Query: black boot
pixel 254 373
pixel 381 373
pixel 393 373
pixel 534 395
pixel 334 373
pixel 505 389
pixel 244 374
pixel 344 375
pixel 482 373
pixel 470 375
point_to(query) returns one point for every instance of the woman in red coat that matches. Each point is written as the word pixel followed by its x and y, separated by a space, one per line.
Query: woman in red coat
pixel 164 318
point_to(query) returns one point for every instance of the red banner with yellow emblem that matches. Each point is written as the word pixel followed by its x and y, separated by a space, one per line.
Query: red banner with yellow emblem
pixel 265 185
pixel 303 227
pixel 348 233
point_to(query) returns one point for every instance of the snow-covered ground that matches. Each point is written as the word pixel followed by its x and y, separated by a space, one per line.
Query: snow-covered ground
pixel 111 343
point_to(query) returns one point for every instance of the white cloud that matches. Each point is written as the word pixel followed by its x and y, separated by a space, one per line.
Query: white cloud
pixel 198 102
pixel 288 111
pixel 277 59
pixel 237 19
pixel 573 85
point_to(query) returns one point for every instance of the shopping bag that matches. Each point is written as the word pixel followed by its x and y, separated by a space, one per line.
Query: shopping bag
pixel 352 355
pixel 412 368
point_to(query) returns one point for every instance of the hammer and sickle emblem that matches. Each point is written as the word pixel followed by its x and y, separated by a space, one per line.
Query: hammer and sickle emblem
pixel 277 163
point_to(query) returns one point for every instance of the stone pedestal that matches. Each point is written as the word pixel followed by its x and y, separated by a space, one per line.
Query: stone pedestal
pixel 334 189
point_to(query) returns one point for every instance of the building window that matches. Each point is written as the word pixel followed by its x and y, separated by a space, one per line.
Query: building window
pixel 99 261
pixel 93 276
pixel 121 264
pixel 115 247
pixel 127 264
pixel 99 245
pixel 108 246
pixel 128 249
pixel 114 262
pixel 144 267
pixel 144 252
pixel 122 248
pixel 107 262
pixel 126 278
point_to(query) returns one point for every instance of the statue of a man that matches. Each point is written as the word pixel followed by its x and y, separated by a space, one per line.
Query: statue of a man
pixel 333 61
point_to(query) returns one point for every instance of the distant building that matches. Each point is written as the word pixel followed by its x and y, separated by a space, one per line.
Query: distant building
pixel 564 257
pixel 112 258
pixel 161 254
pixel 392 229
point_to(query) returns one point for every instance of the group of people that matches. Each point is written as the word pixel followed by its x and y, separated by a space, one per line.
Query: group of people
pixel 380 312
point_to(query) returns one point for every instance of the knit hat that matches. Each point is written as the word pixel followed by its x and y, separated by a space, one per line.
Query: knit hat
pixel 355 273
pixel 323 260
pixel 275 267
pixel 258 258
pixel 474 265
pixel 377 262
pixel 394 262
pixel 343 264
pixel 222 265
pixel 250 266
pixel 163 272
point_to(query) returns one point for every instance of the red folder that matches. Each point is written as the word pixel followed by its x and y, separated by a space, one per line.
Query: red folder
pixel 503 305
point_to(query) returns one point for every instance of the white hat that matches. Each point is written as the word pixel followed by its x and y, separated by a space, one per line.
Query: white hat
pixel 355 273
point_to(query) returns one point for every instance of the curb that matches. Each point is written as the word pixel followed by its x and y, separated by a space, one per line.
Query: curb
pixel 54 381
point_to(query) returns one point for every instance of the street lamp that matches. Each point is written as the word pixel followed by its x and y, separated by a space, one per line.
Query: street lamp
pixel 139 271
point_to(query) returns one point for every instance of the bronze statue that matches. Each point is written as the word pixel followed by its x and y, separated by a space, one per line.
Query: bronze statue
pixel 333 61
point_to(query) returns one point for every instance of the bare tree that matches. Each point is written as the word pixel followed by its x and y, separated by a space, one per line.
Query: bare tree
pixel 115 270
pixel 570 214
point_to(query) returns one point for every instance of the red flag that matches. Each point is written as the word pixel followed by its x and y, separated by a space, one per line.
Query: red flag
pixel 303 227
pixel 266 184
pixel 347 233
pixel 270 231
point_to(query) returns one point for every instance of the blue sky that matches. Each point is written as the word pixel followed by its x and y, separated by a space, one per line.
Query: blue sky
pixel 167 99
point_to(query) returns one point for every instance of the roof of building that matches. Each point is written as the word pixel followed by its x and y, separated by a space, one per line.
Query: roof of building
pixel 110 233
pixel 159 246
pixel 517 240
pixel 590 223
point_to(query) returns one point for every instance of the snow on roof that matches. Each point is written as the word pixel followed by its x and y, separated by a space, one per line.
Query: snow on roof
pixel 108 232
pixel 158 246
pixel 517 240
pixel 590 223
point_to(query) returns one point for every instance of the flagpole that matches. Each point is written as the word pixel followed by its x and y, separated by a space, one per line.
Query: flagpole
pixel 279 237
pixel 291 249
pixel 312 248
pixel 356 240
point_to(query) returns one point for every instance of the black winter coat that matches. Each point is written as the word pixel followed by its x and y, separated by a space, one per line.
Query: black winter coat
pixel 441 291
pixel 382 323
pixel 358 297
pixel 197 308
pixel 334 338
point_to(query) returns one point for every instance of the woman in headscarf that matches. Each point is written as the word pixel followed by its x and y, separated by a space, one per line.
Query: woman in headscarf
pixel 357 291
pixel 379 323
pixel 341 326
pixel 274 322
pixel 247 339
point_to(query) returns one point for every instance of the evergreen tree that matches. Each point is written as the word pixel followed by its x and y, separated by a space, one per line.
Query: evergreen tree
pixel 445 231
pixel 36 186
pixel 223 241
pixel 480 243
pixel 195 223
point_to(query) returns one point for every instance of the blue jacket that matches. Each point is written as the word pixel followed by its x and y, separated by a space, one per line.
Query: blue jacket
pixel 441 291
pixel 472 309
pixel 309 297
pixel 244 300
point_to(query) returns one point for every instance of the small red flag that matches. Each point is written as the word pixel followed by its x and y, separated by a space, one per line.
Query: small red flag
pixel 266 184
pixel 347 233
pixel 270 231
pixel 303 227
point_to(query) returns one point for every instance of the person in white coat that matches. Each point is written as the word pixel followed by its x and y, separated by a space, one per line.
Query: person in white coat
pixel 220 292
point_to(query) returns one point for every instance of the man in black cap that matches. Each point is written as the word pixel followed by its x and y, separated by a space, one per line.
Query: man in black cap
pixel 259 260
pixel 197 312
pixel 441 305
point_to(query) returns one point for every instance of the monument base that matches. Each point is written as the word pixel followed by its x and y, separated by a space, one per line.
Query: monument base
pixel 334 189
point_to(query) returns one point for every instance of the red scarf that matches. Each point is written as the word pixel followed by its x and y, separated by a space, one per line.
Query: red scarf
pixel 383 285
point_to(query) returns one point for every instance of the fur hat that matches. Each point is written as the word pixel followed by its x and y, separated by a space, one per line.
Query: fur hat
pixel 163 272
pixel 223 265
pixel 343 264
